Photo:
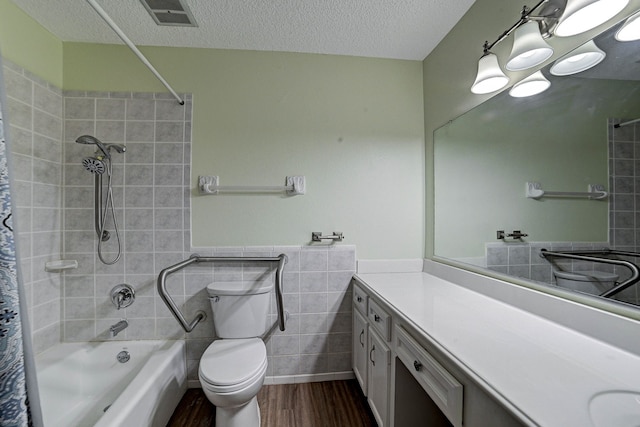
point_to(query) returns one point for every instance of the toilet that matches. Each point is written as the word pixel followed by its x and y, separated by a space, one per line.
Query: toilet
pixel 590 282
pixel 233 368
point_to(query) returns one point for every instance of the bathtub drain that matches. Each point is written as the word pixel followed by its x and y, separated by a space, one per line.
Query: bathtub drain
pixel 123 356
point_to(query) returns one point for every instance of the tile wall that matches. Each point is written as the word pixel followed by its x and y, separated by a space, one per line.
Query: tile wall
pixel 34 113
pixel 524 260
pixel 624 208
pixel 152 194
pixel 151 190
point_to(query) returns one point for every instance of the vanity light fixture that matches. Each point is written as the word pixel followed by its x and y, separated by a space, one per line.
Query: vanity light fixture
pixel 490 77
pixel 630 30
pixel 554 18
pixel 586 56
pixel 582 15
pixel 534 84
pixel 529 48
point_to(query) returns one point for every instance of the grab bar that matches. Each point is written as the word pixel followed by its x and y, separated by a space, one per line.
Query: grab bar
pixel 579 255
pixel 201 315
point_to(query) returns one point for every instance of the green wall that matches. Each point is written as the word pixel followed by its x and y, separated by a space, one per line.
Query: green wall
pixel 28 44
pixel 352 126
pixel 449 72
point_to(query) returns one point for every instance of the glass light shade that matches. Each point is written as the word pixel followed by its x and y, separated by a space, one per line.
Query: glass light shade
pixel 532 85
pixel 630 30
pixel 582 15
pixel 490 77
pixel 529 48
pixel 586 56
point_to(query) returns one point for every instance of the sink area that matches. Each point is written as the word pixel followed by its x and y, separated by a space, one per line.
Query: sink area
pixel 615 409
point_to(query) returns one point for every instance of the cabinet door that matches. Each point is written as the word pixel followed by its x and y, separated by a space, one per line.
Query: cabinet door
pixel 360 356
pixel 378 378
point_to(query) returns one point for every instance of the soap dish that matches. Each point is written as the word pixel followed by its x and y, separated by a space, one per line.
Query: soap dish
pixel 60 265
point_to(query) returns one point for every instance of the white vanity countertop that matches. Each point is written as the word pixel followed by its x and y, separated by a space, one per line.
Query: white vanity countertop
pixel 547 371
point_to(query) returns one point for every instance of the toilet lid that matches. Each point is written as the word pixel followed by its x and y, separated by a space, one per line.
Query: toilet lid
pixel 233 361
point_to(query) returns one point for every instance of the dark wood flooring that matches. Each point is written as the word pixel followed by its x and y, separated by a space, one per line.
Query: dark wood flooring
pixel 320 404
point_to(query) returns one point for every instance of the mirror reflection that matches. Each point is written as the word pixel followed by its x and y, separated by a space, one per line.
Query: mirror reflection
pixel 552 171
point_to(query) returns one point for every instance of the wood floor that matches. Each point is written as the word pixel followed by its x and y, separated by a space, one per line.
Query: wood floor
pixel 322 404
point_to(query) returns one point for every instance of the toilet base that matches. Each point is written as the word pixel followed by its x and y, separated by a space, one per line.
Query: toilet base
pixel 247 415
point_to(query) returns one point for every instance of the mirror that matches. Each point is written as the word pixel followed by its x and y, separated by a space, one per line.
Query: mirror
pixel 564 139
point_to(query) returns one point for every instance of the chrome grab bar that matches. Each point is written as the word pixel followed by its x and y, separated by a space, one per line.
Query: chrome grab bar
pixel 201 315
pixel 588 256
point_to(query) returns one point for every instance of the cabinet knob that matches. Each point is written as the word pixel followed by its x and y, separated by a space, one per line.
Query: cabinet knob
pixel 359 298
pixel 376 317
pixel 417 365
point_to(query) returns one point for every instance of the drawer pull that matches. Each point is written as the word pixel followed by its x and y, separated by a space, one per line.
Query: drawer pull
pixel 359 298
pixel 417 365
pixel 373 362
pixel 362 338
pixel 376 317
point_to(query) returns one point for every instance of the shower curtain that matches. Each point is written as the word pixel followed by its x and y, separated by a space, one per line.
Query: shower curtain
pixel 19 402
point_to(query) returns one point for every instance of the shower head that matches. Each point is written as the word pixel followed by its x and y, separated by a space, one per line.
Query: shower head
pixel 88 139
pixel 94 165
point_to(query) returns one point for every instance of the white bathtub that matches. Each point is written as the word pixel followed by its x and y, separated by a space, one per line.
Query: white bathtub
pixel 83 384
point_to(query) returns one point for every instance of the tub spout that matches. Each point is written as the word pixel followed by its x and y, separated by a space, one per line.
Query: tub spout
pixel 118 327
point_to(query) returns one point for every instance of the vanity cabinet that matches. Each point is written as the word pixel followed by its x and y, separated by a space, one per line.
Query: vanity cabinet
pixel 407 379
pixel 371 353
pixel 360 345
pixel 378 378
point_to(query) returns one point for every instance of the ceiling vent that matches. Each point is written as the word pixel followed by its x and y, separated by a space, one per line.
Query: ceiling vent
pixel 170 12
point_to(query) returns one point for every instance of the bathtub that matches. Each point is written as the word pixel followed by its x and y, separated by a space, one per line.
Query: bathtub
pixel 84 384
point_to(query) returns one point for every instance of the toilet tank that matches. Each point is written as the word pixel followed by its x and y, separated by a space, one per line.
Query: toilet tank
pixel 240 309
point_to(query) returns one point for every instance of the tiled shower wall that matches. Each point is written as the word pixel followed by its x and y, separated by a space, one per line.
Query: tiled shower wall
pixel 152 195
pixel 34 115
pixel 624 206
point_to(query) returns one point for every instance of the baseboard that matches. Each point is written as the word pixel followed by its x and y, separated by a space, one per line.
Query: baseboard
pixel 310 378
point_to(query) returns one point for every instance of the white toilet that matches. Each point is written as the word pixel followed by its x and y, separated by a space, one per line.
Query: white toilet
pixel 590 282
pixel 233 367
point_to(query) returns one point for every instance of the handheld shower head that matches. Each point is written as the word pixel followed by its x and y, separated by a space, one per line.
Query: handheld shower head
pixel 93 165
pixel 88 139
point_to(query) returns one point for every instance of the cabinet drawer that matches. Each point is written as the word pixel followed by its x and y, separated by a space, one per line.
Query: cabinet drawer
pixel 380 320
pixel 440 385
pixel 360 299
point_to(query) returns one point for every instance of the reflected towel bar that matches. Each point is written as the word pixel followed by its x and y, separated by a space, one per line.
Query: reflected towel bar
pixel 201 315
pixel 534 190
pixel 589 256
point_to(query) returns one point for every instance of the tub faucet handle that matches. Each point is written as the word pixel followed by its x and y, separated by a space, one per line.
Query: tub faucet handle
pixel 122 296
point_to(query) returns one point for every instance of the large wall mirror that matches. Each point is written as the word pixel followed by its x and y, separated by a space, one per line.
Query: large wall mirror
pixel 562 140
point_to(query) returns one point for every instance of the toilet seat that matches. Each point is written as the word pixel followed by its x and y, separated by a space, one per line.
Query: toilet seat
pixel 229 365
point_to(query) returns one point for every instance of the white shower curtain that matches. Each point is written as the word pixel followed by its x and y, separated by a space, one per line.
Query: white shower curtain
pixel 19 402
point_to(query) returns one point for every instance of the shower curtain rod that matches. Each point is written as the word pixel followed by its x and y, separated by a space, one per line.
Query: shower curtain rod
pixel 626 123
pixel 133 47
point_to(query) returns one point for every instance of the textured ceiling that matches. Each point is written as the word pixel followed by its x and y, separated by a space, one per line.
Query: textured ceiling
pixel 398 29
